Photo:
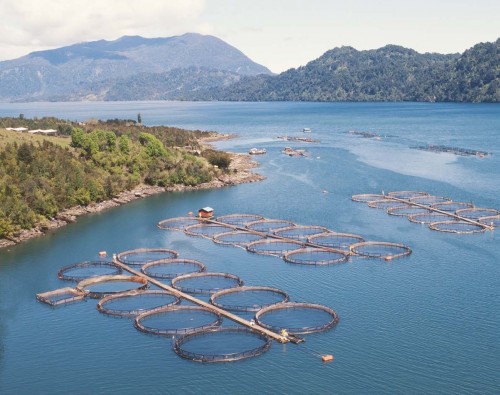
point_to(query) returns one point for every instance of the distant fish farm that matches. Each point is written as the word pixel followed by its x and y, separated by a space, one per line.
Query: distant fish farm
pixel 452 150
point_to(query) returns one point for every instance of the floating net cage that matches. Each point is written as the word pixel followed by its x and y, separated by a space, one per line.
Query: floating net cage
pixel 427 218
pixel 406 211
pixel 475 213
pixel 386 204
pixel 170 268
pixel 493 221
pixel 177 320
pixel 460 227
pixel 179 223
pixel 407 194
pixel 98 287
pixel 366 197
pixel 451 207
pixel 269 225
pixel 61 296
pixel 316 256
pixel 141 256
pixel 429 200
pixel 273 247
pixel 248 298
pixel 239 219
pixel 88 269
pixel 206 230
pixel 297 318
pixel 237 238
pixel 225 344
pixel 341 241
pixel 300 232
pixel 133 303
pixel 206 283
pixel 379 249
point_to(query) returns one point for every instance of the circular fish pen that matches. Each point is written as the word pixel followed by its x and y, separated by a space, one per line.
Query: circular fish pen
pixel 177 320
pixel 206 230
pixel 380 249
pixel 475 213
pixel 133 303
pixel 386 204
pixel 170 268
pixel 297 318
pixel 97 287
pixel 451 207
pixel 221 345
pixel 406 194
pixel 459 227
pixel 341 241
pixel 493 221
pixel 237 238
pixel 273 247
pixel 81 271
pixel 366 197
pixel 206 283
pixel 239 219
pixel 427 218
pixel 248 298
pixel 300 232
pixel 178 223
pixel 429 200
pixel 407 211
pixel 316 256
pixel 141 256
pixel 269 225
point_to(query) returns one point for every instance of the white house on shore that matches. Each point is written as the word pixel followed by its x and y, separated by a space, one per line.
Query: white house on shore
pixel 43 131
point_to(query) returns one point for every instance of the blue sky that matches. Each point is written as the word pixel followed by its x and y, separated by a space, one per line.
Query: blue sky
pixel 279 34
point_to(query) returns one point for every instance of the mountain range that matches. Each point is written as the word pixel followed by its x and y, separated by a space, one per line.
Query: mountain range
pixel 198 67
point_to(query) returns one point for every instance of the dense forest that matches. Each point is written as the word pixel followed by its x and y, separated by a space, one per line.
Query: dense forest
pixel 99 160
pixel 391 73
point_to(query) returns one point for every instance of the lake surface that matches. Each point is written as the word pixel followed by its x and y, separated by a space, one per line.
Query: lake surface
pixel 428 323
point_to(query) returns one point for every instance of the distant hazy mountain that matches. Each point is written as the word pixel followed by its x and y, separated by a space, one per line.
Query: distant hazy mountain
pixel 391 73
pixel 91 70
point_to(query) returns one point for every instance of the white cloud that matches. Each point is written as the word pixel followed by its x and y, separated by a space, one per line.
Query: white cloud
pixel 29 25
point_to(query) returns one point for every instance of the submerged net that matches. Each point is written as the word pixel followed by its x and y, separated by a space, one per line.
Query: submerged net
pixel 206 283
pixel 141 256
pixel 248 299
pixel 87 269
pixel 206 230
pixel 300 232
pixel 131 304
pixel 366 197
pixel 460 227
pixel 61 296
pixel 170 268
pixel 177 320
pixel 239 219
pixel 221 345
pixel 476 213
pixel 237 238
pixel 493 221
pixel 386 204
pixel 451 207
pixel 427 218
pixel 429 200
pixel 316 256
pixel 297 318
pixel 379 249
pixel 97 287
pixel 179 223
pixel 269 225
pixel 407 194
pixel 340 241
pixel 407 211
pixel 273 247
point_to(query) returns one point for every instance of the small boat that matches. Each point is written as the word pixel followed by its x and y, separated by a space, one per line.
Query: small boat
pixel 257 151
pixel 306 130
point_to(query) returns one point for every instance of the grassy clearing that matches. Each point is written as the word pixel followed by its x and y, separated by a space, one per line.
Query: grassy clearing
pixel 10 136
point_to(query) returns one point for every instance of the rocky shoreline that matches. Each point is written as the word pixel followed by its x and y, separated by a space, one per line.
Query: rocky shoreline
pixel 239 173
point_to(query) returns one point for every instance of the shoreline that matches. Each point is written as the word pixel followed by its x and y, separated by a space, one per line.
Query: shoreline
pixel 239 173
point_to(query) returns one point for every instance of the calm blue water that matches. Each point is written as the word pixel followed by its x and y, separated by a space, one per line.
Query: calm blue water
pixel 426 324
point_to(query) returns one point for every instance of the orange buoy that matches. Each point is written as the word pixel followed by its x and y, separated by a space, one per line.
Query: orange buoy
pixel 327 358
pixel 102 253
pixel 388 258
